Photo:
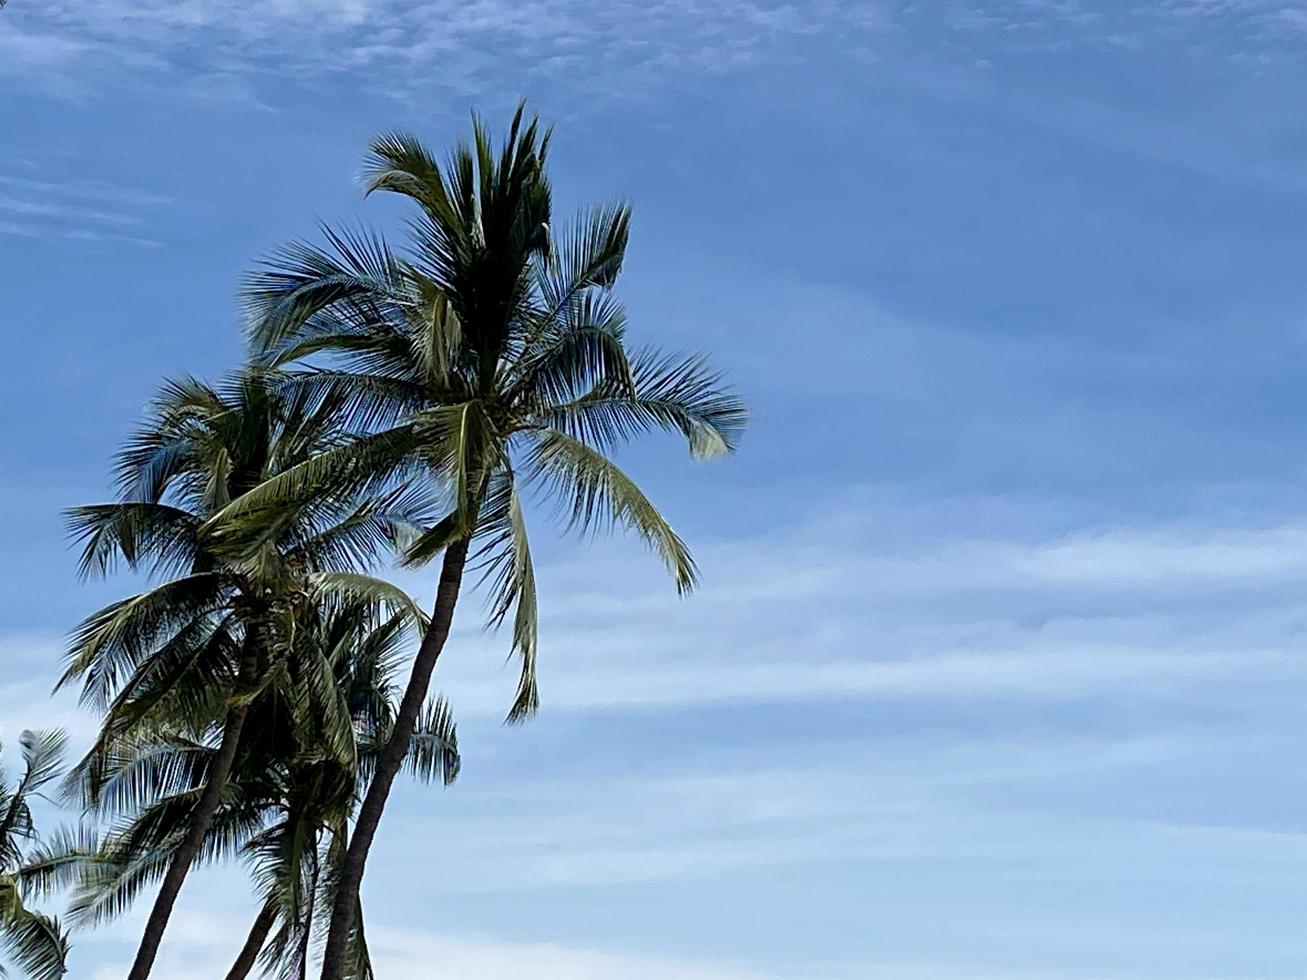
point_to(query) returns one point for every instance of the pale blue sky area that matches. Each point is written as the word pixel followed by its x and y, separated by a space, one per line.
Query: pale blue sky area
pixel 997 672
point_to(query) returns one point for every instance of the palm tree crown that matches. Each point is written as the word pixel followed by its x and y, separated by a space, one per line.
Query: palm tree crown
pixel 492 358
pixel 188 656
pixel 489 360
pixel 171 654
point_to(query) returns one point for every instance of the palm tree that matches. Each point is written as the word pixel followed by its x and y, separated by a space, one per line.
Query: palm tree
pixel 491 360
pixel 32 941
pixel 297 857
pixel 289 798
pixel 192 652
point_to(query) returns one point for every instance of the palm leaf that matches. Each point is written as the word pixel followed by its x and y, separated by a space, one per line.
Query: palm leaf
pixel 670 393
pixel 352 585
pixel 163 536
pixel 433 752
pixel 506 559
pixel 35 943
pixel 115 640
pixel 599 494
pixel 350 287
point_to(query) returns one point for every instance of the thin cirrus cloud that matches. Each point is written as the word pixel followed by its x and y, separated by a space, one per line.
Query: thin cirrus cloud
pixel 842 611
pixel 403 955
pixel 556 35
pixel 996 800
pixel 629 44
pixel 88 211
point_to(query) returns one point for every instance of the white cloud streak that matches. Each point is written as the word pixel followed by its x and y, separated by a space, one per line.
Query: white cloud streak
pixel 89 211
pixel 206 940
pixel 614 44
pixel 837 613
pixel 596 50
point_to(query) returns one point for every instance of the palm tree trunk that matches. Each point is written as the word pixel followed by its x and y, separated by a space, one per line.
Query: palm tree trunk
pixel 306 935
pixel 201 820
pixel 344 908
pixel 253 943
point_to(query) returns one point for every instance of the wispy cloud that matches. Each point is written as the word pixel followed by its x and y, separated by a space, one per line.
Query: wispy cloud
pixel 614 44
pixel 83 188
pixel 31 668
pixel 845 609
pixel 598 50
pixel 410 954
pixel 78 210
pixel 902 802
pixel 1166 654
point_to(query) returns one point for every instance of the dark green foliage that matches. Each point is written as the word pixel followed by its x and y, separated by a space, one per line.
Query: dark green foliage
pixel 32 942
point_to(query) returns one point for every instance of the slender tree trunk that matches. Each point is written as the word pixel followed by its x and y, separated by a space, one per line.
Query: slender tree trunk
pixel 344 910
pixel 201 820
pixel 306 937
pixel 253 943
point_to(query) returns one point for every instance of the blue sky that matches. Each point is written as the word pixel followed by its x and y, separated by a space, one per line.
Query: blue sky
pixel 997 669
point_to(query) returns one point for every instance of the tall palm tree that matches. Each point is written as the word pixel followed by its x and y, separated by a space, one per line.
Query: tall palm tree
pixel 492 359
pixel 192 652
pixel 33 942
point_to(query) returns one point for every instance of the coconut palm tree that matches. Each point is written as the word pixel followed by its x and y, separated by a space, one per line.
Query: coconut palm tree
pixel 289 797
pixel 33 942
pixel 297 858
pixel 491 360
pixel 190 654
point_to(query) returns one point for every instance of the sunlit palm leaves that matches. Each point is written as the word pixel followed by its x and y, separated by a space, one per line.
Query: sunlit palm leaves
pixel 416 402
pixel 189 655
pixel 170 655
pixel 493 356
pixel 490 358
pixel 291 791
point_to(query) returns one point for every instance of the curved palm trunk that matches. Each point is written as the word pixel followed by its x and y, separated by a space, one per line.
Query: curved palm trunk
pixel 201 820
pixel 249 953
pixel 306 937
pixel 344 909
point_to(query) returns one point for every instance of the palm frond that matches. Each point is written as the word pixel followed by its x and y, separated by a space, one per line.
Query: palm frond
pixel 113 641
pixel 566 360
pixel 125 774
pixel 59 860
pixel 670 393
pixel 601 495
pixel 366 400
pixel 144 535
pixel 505 558
pixel 352 585
pixel 461 444
pixel 43 754
pixel 171 440
pixel 35 943
pixel 263 513
pixel 328 293
pixel 399 163
pixel 433 752
pixel 436 333
pixel 136 853
pixel 589 255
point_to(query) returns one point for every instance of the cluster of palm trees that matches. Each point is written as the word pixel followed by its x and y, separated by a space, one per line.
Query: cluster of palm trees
pixel 252 699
